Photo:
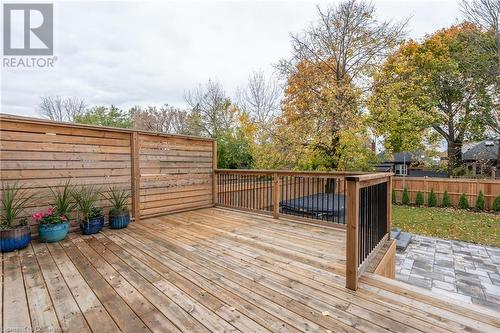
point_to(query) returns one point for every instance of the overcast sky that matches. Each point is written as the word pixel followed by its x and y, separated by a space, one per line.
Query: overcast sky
pixel 136 53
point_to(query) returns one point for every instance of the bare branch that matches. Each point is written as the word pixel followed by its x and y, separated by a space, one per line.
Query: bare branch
pixel 212 112
pixel 61 108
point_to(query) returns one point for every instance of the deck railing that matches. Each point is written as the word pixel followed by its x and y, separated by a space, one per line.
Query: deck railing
pixel 368 221
pixel 359 202
pixel 317 196
pixel 248 191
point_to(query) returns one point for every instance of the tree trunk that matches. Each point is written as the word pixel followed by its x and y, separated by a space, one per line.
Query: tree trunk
pixel 454 156
pixel 497 171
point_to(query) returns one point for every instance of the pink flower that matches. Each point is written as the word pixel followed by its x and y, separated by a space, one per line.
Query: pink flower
pixel 38 216
pixel 50 211
pixel 63 218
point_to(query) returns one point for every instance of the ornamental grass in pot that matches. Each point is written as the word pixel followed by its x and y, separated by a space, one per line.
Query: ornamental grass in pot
pixel 15 232
pixel 92 218
pixel 119 215
pixel 53 225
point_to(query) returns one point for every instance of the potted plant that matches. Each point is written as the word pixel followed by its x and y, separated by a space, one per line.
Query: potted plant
pixel 53 225
pixel 92 219
pixel 119 216
pixel 15 232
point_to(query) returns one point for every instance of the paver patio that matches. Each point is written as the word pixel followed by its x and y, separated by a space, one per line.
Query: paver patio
pixel 465 271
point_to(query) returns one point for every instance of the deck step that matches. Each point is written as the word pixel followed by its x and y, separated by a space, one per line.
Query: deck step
pixel 395 232
pixel 403 239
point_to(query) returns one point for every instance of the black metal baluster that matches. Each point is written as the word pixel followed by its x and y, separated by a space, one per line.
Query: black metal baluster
pixel 302 191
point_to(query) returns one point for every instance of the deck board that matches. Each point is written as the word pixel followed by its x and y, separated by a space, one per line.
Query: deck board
pixel 215 270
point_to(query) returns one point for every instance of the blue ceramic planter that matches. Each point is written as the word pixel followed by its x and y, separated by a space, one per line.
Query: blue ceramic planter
pixel 15 238
pixel 92 226
pixel 119 221
pixel 50 233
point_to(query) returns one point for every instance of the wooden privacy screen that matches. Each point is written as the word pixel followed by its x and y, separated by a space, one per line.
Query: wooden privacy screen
pixel 166 173
pixel 455 188
pixel 176 174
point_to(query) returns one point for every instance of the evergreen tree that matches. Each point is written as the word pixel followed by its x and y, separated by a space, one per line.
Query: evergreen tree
pixel 463 202
pixel 446 200
pixel 405 200
pixel 432 200
pixel 480 201
pixel 419 199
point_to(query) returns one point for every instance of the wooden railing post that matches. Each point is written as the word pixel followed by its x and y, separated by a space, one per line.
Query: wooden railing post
pixel 214 174
pixel 276 195
pixel 389 207
pixel 352 258
pixel 135 176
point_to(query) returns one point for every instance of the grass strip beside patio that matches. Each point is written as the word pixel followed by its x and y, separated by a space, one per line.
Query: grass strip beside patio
pixel 449 223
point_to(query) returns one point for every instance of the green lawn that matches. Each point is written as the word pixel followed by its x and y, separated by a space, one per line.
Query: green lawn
pixel 482 228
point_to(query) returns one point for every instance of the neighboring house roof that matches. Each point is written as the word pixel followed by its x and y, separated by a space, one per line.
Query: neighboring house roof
pixel 484 150
pixel 407 157
pixel 467 145
pixel 383 167
pixel 403 157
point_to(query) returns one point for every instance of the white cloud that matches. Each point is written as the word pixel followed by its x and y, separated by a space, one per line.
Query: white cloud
pixel 128 53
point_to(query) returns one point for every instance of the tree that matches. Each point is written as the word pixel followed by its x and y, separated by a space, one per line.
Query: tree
pixel 233 150
pixel 480 201
pixel 438 86
pixel 405 198
pixel 61 108
pixel 327 76
pixel 496 204
pixel 432 199
pixel 446 200
pixel 166 119
pixel 260 98
pixel 486 15
pixel 212 112
pixel 103 116
pixel 259 103
pixel 419 199
pixel 463 202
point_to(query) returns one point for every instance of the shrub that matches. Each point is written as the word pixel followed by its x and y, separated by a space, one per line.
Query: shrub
pixel 405 199
pixel 119 200
pixel 419 199
pixel 13 201
pixel 446 200
pixel 394 199
pixel 496 204
pixel 63 200
pixel 480 201
pixel 432 200
pixel 86 199
pixel 463 203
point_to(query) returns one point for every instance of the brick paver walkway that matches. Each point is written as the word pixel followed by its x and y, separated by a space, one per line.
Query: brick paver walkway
pixel 465 271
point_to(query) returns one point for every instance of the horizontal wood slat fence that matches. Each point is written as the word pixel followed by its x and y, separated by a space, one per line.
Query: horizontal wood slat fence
pixel 165 173
pixel 455 188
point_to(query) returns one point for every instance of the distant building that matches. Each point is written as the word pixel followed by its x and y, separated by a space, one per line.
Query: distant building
pixel 481 158
pixel 410 164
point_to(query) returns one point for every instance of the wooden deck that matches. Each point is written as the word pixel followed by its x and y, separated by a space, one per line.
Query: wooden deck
pixel 214 270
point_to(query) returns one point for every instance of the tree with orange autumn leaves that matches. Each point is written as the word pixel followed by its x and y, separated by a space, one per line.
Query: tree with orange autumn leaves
pixel 323 124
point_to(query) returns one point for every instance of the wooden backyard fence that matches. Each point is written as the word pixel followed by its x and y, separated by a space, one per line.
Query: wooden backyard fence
pixel 455 188
pixel 165 173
